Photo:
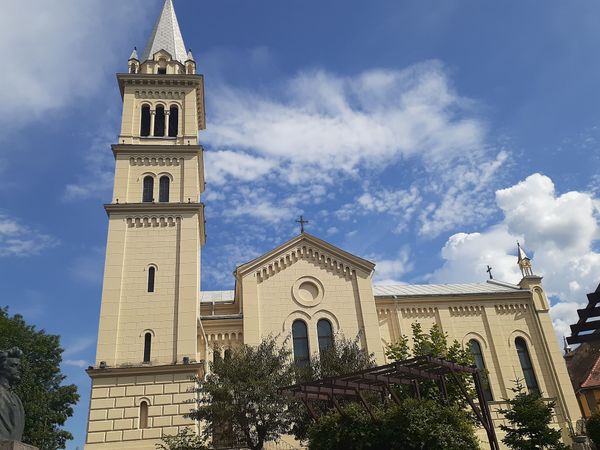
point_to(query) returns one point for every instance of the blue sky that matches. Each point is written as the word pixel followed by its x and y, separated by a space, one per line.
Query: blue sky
pixel 427 136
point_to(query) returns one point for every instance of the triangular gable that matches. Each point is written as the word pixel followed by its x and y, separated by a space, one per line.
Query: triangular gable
pixel 305 246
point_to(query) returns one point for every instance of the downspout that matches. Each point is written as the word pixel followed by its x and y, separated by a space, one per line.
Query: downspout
pixel 205 346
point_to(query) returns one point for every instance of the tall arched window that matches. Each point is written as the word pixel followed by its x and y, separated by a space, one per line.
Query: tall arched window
pixel 475 347
pixel 526 365
pixel 173 121
pixel 151 277
pixel 163 189
pixel 144 414
pixel 325 333
pixel 300 339
pixel 147 346
pixel 159 121
pixel 148 191
pixel 145 123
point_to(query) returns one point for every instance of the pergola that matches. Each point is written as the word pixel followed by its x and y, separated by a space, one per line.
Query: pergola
pixel 409 372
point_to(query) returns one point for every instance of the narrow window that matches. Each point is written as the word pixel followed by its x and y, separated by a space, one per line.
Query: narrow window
pixel 145 125
pixel 159 121
pixel 162 70
pixel 163 189
pixel 151 276
pixel 144 414
pixel 300 338
pixel 325 333
pixel 526 365
pixel 147 346
pixel 148 193
pixel 173 121
pixel 480 363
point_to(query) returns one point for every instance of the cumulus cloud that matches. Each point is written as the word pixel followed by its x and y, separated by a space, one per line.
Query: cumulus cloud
pixel 225 164
pixel 57 54
pixel 560 230
pixel 390 271
pixel 18 239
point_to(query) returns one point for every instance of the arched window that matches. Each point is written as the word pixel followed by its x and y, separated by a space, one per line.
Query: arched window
pixel 144 414
pixel 148 191
pixel 300 338
pixel 147 346
pixel 151 276
pixel 526 365
pixel 173 121
pixel 159 121
pixel 163 189
pixel 145 124
pixel 475 347
pixel 325 333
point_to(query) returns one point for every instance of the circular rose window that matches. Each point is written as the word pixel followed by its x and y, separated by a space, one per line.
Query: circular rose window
pixel 308 291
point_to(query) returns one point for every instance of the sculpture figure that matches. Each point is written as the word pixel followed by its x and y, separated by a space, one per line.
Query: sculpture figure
pixel 12 414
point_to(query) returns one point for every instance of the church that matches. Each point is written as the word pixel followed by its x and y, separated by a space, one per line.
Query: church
pixel 157 327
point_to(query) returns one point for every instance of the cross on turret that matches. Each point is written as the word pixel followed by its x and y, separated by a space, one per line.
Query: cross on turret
pixel 301 221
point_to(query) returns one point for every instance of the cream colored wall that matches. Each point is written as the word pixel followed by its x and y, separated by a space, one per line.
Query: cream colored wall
pixel 115 409
pixel 343 303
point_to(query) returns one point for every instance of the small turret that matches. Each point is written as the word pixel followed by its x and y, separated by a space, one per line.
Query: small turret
pixel 524 261
pixel 134 62
pixel 190 63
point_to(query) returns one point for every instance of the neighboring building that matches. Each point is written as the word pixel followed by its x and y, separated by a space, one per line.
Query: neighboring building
pixel 157 329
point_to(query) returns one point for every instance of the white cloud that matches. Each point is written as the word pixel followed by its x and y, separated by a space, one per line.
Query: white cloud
pixel 560 232
pixel 319 128
pixel 17 239
pixel 389 271
pixel 58 52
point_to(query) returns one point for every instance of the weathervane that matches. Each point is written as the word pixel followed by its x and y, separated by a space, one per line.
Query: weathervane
pixel 301 221
pixel 489 271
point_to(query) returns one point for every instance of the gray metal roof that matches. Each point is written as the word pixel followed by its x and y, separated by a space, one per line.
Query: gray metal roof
pixel 216 296
pixel 415 290
pixel 166 36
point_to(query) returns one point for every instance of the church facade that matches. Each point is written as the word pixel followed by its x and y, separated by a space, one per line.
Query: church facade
pixel 158 329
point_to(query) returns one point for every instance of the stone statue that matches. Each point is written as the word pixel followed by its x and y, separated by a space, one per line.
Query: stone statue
pixel 12 414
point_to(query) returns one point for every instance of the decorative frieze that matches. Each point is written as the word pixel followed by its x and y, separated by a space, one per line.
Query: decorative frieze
pixel 511 308
pixel 420 312
pixel 152 221
pixel 161 95
pixel 465 310
pixel 152 160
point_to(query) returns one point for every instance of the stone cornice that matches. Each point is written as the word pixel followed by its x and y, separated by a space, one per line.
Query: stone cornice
pixel 138 149
pixel 144 370
pixel 474 297
pixel 149 209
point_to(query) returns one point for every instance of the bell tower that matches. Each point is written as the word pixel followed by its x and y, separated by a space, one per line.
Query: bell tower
pixel 147 338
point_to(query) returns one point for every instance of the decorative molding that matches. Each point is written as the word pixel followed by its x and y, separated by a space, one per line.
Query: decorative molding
pixel 145 370
pixel 466 310
pixel 158 160
pixel 152 221
pixel 307 252
pixel 419 312
pixel 160 95
pixel 511 308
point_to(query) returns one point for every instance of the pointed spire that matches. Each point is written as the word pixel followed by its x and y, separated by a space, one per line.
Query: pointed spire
pixel 523 261
pixel 190 57
pixel 521 253
pixel 134 54
pixel 166 35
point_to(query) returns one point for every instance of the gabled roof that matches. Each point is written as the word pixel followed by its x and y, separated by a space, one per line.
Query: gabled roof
pixel 336 254
pixel 166 35
pixel 417 290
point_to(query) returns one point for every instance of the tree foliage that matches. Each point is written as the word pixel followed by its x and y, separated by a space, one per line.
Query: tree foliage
pixel 47 402
pixel 529 417
pixel 592 427
pixel 186 439
pixel 239 399
pixel 412 425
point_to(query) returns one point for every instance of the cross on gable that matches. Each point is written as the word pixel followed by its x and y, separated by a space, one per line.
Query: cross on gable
pixel 489 271
pixel 301 221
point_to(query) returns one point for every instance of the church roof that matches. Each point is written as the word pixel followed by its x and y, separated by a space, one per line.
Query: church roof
pixel 521 253
pixel 417 290
pixel 217 296
pixel 166 35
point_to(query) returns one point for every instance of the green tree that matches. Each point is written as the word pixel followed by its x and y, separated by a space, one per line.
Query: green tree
pixel 47 402
pixel 529 417
pixel 434 343
pixel 413 425
pixel 343 356
pixel 592 426
pixel 240 397
pixel 186 439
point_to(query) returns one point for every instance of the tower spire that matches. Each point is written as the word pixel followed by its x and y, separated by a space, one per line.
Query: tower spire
pixel 523 261
pixel 166 35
